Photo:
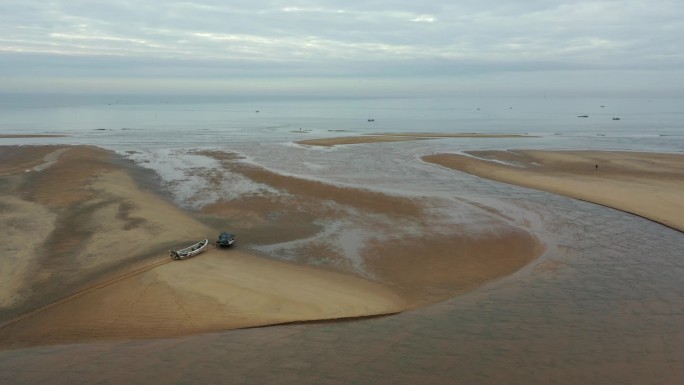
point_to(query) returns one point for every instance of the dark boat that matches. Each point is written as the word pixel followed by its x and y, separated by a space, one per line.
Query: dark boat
pixel 225 239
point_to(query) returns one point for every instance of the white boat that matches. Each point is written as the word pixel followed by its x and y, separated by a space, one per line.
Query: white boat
pixel 190 251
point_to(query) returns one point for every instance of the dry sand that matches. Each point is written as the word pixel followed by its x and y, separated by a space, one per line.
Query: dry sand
pixel 89 254
pixel 646 184
pixel 397 137
pixel 218 290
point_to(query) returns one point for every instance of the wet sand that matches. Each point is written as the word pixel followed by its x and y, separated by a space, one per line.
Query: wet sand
pixel 397 137
pixel 90 262
pixel 646 184
pixel 604 305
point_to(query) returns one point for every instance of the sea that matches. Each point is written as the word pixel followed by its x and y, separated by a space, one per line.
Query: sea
pixel 120 120
pixel 603 305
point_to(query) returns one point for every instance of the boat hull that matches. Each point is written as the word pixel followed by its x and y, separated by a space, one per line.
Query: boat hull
pixel 190 251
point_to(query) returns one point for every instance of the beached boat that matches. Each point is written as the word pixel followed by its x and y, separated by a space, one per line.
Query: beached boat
pixel 190 251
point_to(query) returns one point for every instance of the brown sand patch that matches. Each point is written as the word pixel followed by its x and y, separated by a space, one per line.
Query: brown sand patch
pixel 66 182
pixel 77 221
pixel 361 199
pixel 646 184
pixel 218 290
pixel 299 207
pixel 268 218
pixel 23 225
pixel 428 269
pixel 412 253
pixel 18 159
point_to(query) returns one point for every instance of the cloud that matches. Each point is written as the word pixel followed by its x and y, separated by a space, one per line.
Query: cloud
pixel 353 39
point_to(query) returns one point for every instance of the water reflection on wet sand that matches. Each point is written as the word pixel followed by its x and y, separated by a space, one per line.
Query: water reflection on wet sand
pixel 604 305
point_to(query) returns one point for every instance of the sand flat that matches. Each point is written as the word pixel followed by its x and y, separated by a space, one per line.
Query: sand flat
pixel 646 184
pixel 217 290
pixel 99 268
pixel 398 137
pixel 104 228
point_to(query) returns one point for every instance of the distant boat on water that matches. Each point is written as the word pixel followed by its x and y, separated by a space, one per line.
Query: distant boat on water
pixel 371 119
pixel 616 118
pixel 582 116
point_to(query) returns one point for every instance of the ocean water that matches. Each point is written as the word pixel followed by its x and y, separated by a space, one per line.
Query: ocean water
pixel 158 132
pixel 603 305
pixel 199 120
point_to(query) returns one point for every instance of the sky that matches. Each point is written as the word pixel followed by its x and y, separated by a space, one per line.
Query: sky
pixel 344 48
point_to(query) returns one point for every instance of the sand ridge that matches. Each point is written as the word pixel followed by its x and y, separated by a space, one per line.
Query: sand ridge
pixel 217 290
pixel 398 137
pixel 646 184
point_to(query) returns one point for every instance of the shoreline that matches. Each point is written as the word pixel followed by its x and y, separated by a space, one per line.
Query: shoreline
pixel 648 185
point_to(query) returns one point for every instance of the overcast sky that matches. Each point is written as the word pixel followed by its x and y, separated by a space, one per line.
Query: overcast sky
pixel 344 48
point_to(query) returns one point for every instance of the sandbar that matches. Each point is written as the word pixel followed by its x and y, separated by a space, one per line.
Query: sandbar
pixel 398 137
pixel 330 142
pixel 455 135
pixel 89 252
pixel 649 185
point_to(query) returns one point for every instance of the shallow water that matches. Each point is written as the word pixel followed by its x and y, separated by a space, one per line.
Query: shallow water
pixel 603 305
